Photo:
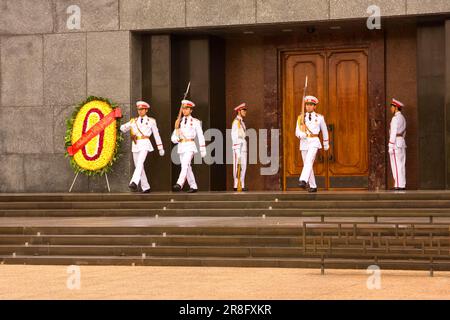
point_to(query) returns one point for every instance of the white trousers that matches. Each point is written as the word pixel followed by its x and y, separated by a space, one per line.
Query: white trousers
pixel 398 161
pixel 309 156
pixel 186 170
pixel 139 171
pixel 239 166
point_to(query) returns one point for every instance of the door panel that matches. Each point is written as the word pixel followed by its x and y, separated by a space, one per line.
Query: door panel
pixel 347 112
pixel 339 79
pixel 297 67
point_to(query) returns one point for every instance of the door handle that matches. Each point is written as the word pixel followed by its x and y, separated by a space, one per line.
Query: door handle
pixel 331 130
pixel 320 157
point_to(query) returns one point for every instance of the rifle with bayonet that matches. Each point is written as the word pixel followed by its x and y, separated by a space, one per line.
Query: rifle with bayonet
pixel 302 115
pixel 177 122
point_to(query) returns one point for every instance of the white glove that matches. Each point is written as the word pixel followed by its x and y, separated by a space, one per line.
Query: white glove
pixel 161 152
pixel 391 150
pixel 203 153
pixel 326 147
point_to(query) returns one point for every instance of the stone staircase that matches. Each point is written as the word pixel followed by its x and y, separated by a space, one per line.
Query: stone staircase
pixel 409 230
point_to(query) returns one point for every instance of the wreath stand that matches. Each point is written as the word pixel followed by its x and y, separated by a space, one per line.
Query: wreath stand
pixel 76 176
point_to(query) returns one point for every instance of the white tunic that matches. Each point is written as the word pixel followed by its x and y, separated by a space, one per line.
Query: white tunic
pixel 313 127
pixel 190 128
pixel 397 132
pixel 238 130
pixel 141 127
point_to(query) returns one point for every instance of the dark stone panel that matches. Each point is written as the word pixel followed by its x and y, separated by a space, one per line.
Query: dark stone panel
pixel 194 59
pixel 180 69
pixel 377 112
pixel 136 67
pixel 349 182
pixel 218 106
pixel 447 99
pixel 431 105
pixel 272 106
pixel 245 83
pixel 156 64
pixel 401 83
pixel 200 94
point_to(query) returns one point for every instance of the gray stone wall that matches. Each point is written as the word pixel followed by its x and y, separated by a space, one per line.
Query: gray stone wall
pixel 50 16
pixel 46 68
pixel 166 14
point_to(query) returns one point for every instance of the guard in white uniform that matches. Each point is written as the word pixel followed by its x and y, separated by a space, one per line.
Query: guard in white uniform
pixel 397 145
pixel 186 130
pixel 142 128
pixel 308 133
pixel 238 133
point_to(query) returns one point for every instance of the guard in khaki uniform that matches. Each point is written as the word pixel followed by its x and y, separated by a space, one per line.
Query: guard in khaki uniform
pixel 186 130
pixel 397 145
pixel 238 132
pixel 142 128
pixel 308 133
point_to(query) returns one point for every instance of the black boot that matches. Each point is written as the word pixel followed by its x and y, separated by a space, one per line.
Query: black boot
pixel 302 184
pixel 146 191
pixel 192 190
pixel 176 188
pixel 133 187
pixel 312 190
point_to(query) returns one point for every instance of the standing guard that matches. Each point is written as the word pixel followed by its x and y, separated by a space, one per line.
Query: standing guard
pixel 142 128
pixel 186 129
pixel 307 130
pixel 238 133
pixel 397 145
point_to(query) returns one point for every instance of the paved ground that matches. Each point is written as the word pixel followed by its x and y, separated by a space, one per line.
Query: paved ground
pixel 50 282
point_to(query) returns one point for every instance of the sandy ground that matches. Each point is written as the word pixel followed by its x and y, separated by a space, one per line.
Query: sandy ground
pixel 98 282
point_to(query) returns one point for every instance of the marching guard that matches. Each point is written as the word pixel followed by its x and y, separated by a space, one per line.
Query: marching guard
pixel 238 133
pixel 307 131
pixel 141 129
pixel 397 145
pixel 186 130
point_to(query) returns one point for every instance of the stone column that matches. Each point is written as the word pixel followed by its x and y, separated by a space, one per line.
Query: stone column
pixel 431 67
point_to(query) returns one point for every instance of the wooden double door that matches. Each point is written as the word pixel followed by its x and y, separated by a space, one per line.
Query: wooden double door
pixel 339 78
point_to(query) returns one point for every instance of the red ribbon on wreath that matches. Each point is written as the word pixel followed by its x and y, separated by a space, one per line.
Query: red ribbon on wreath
pixel 94 131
